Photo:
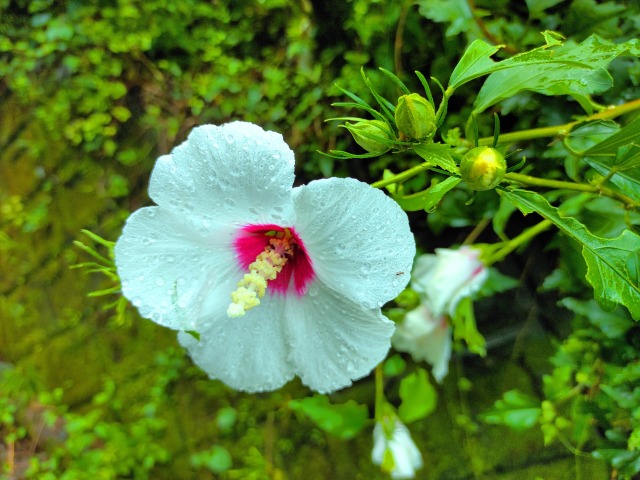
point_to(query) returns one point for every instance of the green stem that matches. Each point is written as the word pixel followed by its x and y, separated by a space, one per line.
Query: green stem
pixel 402 176
pixel 379 393
pixel 514 243
pixel 561 130
pixel 580 187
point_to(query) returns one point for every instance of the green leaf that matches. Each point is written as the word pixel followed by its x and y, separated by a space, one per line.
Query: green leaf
pixel 537 7
pixel 393 366
pixel 465 328
pixel 427 199
pixel 578 71
pixel 217 459
pixel 438 155
pixel 455 13
pixel 633 266
pixel 612 324
pixel 474 63
pixel 625 136
pixel 341 420
pixel 625 461
pixel 516 410
pixel 588 134
pixel 496 283
pixel 623 170
pixel 501 217
pixel 418 397
pixel 606 258
pixel 548 79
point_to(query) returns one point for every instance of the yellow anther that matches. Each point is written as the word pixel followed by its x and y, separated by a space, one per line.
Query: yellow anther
pixel 266 267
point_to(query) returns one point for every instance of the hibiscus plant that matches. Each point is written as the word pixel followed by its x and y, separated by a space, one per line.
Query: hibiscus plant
pixel 266 282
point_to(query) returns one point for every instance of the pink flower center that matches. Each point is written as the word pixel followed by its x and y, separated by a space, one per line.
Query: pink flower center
pixel 252 240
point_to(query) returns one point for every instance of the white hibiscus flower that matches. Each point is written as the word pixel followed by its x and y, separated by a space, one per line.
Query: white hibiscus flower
pixel 442 280
pixel 447 277
pixel 427 338
pixel 277 281
pixel 394 449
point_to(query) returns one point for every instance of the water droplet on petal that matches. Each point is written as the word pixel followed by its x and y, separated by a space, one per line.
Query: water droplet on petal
pixel 159 282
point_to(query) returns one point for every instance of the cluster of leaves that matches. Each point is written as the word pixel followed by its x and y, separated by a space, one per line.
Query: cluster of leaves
pixel 600 158
pixel 43 439
pixel 591 395
pixel 120 81
pixel 92 93
pixel 417 400
pixel 612 262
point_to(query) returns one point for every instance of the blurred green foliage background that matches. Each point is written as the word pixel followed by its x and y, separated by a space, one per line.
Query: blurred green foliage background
pixel 91 93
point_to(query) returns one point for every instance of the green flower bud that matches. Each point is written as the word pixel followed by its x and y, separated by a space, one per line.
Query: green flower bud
pixel 415 117
pixel 482 168
pixel 365 131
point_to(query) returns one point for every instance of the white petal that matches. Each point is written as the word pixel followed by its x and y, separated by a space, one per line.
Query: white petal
pixel 406 456
pixel 379 444
pixel 170 272
pixel 405 453
pixel 248 353
pixel 334 340
pixel 426 338
pixel 357 238
pixel 447 277
pixel 234 173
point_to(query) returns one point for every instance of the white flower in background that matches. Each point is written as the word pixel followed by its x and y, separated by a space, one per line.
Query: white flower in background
pixel 442 280
pixel 447 277
pixel 394 450
pixel 277 281
pixel 427 338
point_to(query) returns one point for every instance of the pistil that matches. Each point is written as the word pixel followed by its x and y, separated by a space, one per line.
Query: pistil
pixel 267 265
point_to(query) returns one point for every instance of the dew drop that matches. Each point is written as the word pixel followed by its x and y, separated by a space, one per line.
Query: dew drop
pixel 171 258
pixel 137 301
pixel 229 203
pixel 160 282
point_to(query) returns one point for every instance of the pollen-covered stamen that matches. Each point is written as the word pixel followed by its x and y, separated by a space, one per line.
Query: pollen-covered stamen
pixel 266 267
